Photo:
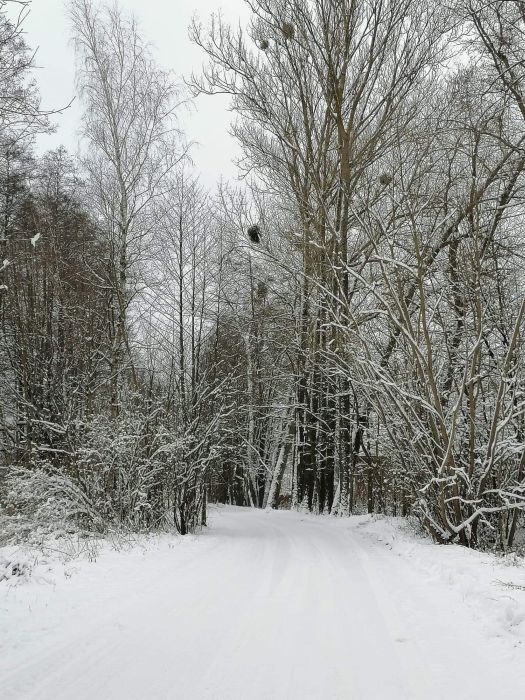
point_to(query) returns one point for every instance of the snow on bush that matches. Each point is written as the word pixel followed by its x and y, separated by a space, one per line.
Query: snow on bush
pixel 14 569
pixel 48 495
pixel 130 472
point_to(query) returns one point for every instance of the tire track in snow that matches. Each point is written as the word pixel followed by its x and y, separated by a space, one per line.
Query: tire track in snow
pixel 263 606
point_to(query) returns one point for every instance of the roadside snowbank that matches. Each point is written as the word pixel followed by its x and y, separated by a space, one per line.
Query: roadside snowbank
pixel 491 586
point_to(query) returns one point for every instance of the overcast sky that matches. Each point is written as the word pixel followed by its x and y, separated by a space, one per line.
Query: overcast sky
pixel 165 24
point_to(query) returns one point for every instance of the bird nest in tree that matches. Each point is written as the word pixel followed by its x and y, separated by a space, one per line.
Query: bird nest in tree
pixel 254 233
pixel 288 30
pixel 262 290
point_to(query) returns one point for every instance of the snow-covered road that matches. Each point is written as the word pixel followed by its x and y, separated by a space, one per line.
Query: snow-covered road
pixel 263 605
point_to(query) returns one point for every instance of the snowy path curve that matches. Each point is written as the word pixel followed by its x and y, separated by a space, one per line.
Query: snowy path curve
pixel 264 605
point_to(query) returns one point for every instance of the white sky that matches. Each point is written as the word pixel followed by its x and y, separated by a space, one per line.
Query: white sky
pixel 164 23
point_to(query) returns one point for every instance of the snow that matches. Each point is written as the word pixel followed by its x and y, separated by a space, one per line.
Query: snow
pixel 265 605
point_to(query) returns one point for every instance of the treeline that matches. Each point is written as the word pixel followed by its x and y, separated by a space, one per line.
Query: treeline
pixel 342 333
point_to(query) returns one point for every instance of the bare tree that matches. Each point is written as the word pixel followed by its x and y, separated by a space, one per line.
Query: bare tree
pixel 132 147
pixel 322 90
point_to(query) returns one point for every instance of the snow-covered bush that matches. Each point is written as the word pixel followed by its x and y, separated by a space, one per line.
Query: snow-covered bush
pixel 14 568
pixel 50 495
pixel 129 471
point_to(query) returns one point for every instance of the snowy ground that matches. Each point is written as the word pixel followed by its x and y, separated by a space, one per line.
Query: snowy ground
pixel 267 605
